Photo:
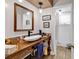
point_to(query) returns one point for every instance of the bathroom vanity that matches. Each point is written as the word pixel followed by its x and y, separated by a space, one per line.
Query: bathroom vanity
pixel 24 48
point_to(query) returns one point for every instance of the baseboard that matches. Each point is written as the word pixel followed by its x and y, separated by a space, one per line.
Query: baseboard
pixel 61 44
pixel 52 53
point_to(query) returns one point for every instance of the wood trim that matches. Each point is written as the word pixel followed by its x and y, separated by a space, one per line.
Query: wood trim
pixel 47 7
pixel 49 49
pixel 20 54
pixel 51 2
pixel 15 18
pixel 22 7
pixel 31 3
pixel 33 21
pixel 43 7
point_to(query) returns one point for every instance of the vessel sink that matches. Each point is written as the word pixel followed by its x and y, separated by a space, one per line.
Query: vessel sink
pixel 32 38
pixel 10 49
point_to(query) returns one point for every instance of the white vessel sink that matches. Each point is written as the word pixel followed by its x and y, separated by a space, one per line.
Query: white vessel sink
pixel 32 38
pixel 10 49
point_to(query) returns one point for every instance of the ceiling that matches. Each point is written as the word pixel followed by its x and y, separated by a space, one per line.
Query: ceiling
pixel 46 3
pixel 62 2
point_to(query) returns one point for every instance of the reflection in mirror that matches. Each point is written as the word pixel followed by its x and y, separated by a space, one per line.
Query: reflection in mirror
pixel 23 18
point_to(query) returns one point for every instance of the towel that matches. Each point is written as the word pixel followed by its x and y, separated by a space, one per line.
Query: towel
pixel 39 52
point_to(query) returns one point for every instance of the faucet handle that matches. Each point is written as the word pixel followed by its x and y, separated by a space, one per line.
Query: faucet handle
pixel 31 31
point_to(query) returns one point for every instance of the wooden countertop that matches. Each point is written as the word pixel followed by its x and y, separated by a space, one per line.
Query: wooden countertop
pixel 22 44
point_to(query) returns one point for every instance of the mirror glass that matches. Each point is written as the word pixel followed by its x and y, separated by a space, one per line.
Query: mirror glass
pixel 23 18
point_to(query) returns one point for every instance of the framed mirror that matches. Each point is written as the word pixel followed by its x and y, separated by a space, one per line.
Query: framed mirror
pixel 23 18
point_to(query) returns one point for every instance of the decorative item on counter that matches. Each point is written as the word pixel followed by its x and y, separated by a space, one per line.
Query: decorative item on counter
pixel 7 41
pixel 20 40
pixel 21 37
pixel 44 33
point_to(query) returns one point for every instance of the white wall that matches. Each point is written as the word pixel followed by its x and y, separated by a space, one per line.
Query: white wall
pixel 9 18
pixel 59 33
pixel 49 11
pixel 65 31
pixel 65 34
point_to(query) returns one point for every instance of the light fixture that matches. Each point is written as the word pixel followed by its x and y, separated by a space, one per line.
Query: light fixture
pixel 40 8
pixel 20 0
pixel 59 11
pixel 28 13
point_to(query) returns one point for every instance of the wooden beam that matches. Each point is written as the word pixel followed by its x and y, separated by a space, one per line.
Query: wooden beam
pixel 46 3
pixel 51 2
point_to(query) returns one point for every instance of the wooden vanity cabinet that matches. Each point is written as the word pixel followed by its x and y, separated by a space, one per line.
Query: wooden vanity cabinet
pixel 20 54
pixel 25 48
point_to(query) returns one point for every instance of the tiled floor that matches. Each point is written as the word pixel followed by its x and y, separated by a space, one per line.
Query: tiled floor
pixel 62 53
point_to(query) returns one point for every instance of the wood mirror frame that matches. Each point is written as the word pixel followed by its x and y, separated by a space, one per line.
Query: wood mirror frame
pixel 15 18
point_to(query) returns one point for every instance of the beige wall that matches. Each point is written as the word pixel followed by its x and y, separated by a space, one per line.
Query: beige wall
pixel 9 18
